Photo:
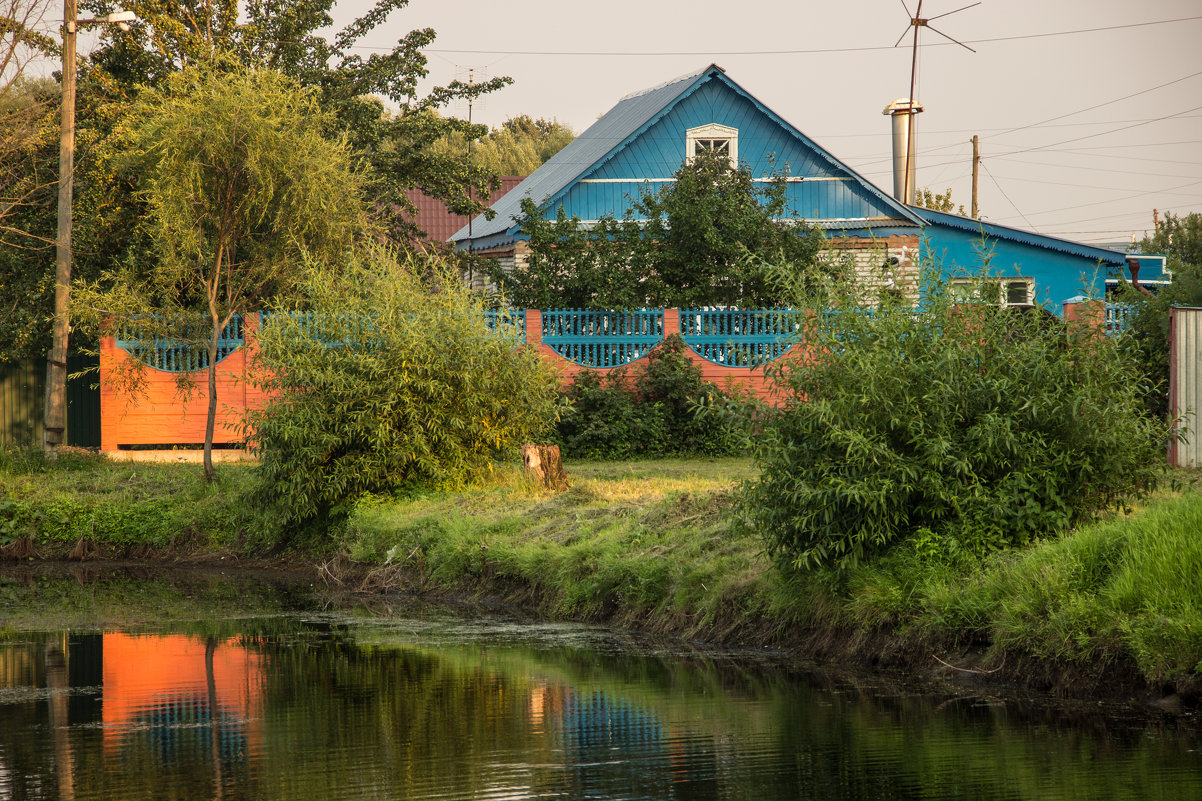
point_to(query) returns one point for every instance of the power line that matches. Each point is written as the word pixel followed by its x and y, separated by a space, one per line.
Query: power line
pixel 816 51
pixel 1008 200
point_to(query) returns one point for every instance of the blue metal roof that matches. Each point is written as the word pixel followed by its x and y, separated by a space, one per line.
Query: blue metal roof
pixel 633 115
pixel 1103 255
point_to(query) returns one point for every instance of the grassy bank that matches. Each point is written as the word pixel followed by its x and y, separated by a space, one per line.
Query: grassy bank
pixel 651 545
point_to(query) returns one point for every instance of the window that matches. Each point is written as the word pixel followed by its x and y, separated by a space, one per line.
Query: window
pixel 1003 291
pixel 718 138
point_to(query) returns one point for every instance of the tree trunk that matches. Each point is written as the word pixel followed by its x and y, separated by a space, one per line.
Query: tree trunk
pixel 211 419
pixel 544 465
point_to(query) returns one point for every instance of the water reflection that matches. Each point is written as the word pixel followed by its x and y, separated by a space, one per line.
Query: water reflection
pixel 434 703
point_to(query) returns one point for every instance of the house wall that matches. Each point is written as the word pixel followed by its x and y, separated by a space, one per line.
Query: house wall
pixel 1058 276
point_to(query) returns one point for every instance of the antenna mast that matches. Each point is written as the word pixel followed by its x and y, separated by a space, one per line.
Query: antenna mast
pixel 918 21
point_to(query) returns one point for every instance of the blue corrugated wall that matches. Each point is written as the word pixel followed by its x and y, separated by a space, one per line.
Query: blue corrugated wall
pixel 1058 276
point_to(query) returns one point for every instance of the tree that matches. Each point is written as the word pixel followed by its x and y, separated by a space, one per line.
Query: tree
pixel 519 147
pixel 711 237
pixel 937 202
pixel 393 147
pixel 963 429
pixel 393 377
pixel 1180 240
pixel 240 185
pixel 28 174
pixel 284 35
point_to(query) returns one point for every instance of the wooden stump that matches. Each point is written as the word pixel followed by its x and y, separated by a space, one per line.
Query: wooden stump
pixel 544 465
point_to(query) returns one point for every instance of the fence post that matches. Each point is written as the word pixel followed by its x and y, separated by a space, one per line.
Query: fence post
pixel 534 327
pixel 671 322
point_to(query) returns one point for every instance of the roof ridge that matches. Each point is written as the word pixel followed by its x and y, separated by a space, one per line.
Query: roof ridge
pixel 688 76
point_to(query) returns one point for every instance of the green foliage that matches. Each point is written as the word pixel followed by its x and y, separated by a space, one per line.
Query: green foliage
pixel 29 128
pixel 1147 335
pixel 969 426
pixel 663 409
pixel 239 182
pixel 938 202
pixel 392 380
pixel 395 146
pixel 708 238
pixel 519 147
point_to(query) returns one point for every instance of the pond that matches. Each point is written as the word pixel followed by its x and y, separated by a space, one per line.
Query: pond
pixel 126 684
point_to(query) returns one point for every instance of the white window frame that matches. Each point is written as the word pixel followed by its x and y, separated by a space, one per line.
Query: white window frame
pixel 1003 286
pixel 693 136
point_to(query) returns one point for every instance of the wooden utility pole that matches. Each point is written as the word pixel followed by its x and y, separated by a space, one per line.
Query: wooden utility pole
pixel 976 168
pixel 54 419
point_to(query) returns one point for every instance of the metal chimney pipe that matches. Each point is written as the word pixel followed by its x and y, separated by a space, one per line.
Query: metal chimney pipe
pixel 905 136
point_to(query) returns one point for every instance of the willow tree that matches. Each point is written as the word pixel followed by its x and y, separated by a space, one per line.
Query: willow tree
pixel 241 186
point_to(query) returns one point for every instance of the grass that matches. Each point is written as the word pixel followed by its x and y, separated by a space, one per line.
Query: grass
pixel 120 504
pixel 653 545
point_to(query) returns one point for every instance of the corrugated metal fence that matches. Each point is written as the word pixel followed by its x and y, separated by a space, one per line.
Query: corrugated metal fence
pixel 1185 384
pixel 22 398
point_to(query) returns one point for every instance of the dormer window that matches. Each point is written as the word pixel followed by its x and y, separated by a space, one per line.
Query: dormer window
pixel 713 137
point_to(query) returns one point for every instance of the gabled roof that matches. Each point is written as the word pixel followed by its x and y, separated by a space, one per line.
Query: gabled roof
pixel 440 223
pixel 633 115
pixel 1103 255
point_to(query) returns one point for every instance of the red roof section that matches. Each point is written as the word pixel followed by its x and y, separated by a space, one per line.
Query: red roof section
pixel 438 223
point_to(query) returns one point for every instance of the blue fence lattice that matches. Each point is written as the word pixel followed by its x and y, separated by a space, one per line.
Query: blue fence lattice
pixel 736 338
pixel 602 338
pixel 1118 317
pixel 186 352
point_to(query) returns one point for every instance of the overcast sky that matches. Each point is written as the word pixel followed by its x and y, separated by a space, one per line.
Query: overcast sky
pixel 1083 131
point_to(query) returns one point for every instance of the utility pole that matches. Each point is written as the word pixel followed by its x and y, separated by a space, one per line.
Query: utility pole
pixel 976 166
pixel 54 418
pixel 54 415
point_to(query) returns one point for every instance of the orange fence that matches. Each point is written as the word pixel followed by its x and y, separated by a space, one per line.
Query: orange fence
pixel 167 415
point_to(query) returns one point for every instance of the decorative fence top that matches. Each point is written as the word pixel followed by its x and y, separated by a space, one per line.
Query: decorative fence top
pixel 1118 317
pixel 602 338
pixel 507 321
pixel 735 338
pixel 186 354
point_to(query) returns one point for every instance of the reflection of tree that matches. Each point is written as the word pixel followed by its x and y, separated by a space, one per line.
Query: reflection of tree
pixel 59 685
pixel 214 718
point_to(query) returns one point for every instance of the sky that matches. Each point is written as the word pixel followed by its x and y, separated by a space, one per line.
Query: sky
pixel 1089 112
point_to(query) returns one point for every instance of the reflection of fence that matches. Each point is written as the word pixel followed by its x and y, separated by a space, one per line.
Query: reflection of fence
pixel 730 347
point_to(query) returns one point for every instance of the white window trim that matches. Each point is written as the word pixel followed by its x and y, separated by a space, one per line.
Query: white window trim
pixel 712 131
pixel 1003 284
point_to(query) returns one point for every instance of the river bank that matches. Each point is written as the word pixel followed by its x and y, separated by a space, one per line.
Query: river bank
pixel 1113 609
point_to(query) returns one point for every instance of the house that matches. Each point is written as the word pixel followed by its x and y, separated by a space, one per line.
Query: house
pixel 645 138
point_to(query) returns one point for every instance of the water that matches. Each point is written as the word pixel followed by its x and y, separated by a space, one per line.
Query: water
pixel 131 686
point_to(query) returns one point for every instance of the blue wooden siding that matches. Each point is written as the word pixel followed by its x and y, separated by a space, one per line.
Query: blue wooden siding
pixel 1058 276
pixel 764 145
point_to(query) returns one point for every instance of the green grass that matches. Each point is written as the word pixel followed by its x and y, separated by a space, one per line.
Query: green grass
pixel 121 504
pixel 653 545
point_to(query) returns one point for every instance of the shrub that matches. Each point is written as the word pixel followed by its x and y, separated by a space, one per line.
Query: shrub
pixel 663 409
pixel 393 378
pixel 972 426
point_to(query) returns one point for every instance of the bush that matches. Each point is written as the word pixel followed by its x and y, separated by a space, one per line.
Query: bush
pixel 664 409
pixel 969 426
pixel 393 378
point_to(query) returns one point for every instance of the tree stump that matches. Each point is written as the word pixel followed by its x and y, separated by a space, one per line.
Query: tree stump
pixel 544 465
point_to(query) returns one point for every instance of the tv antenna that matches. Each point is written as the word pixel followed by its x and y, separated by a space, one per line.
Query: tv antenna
pixel 917 21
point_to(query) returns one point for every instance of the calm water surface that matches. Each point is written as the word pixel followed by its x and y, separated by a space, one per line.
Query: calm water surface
pixel 130 686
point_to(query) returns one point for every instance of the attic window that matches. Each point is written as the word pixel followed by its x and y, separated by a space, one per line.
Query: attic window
pixel 718 138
